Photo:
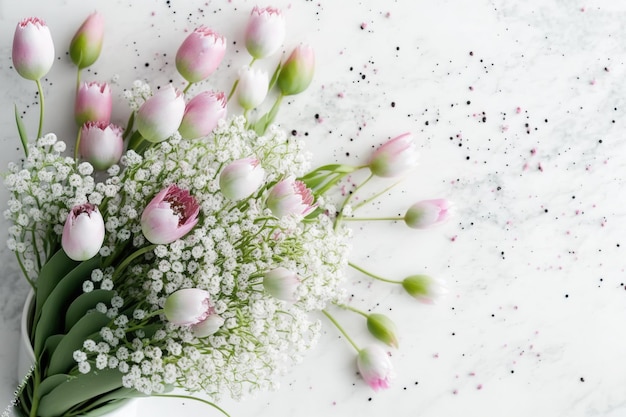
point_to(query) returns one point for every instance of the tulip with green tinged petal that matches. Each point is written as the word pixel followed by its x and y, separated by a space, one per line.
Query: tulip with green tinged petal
pixel 83 232
pixel 265 31
pixel 383 329
pixel 86 44
pixel 375 367
pixel 241 178
pixel 297 71
pixel 427 213
pixel 101 144
pixel 171 214
pixel 93 103
pixel 192 307
pixel 424 288
pixel 200 54
pixel 395 157
pixel 252 87
pixel 159 117
pixel 33 49
pixel 282 283
pixel 202 114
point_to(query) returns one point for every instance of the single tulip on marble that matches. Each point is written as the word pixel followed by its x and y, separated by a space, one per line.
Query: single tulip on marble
pixel 395 157
pixel 192 307
pixel 241 178
pixel 265 31
pixel 171 214
pixel 375 367
pixel 297 71
pixel 33 49
pixel 200 54
pixel 94 103
pixel 101 144
pixel 426 213
pixel 86 44
pixel 252 87
pixel 159 117
pixel 383 329
pixel 290 197
pixel 282 283
pixel 202 114
pixel 424 288
pixel 83 232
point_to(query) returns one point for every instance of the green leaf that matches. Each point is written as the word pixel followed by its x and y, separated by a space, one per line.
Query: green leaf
pixel 103 410
pixel 77 390
pixel 54 307
pixel 21 130
pixel 83 303
pixel 275 76
pixel 50 275
pixel 51 383
pixel 62 360
pixel 109 402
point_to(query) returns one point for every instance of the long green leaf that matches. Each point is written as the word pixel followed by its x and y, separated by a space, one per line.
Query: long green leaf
pixel 62 360
pixel 54 308
pixel 21 130
pixel 83 303
pixel 51 383
pixel 103 410
pixel 57 267
pixel 94 408
pixel 76 390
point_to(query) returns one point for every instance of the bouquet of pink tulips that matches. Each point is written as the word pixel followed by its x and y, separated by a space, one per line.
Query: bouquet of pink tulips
pixel 187 249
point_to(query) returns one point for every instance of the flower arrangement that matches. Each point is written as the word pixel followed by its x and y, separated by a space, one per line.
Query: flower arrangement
pixel 188 249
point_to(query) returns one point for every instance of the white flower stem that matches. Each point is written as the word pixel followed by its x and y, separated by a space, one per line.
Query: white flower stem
pixel 341 329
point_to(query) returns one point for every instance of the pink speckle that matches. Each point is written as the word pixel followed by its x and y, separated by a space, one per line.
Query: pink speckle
pixel 334 402
pixel 453 238
pixel 592 82
pixel 472 374
pixel 363 25
pixel 455 392
pixel 471 88
pixel 518 110
pixel 153 14
pixel 533 151
pixel 540 167
pixel 582 9
pixel 341 94
pixel 436 355
pixel 504 128
pixel 388 14
pixel 479 386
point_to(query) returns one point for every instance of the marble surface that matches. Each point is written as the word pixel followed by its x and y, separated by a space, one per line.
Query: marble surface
pixel 517 110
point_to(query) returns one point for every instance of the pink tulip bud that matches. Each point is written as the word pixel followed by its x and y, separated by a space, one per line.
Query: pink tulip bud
pixel 200 54
pixel 87 42
pixel 265 32
pixel 192 307
pixel 83 232
pixel 158 117
pixel 252 87
pixel 383 329
pixel 297 71
pixel 424 288
pixel 241 178
pixel 33 50
pixel 171 214
pixel 290 197
pixel 282 283
pixel 395 157
pixel 93 103
pixel 427 213
pixel 202 114
pixel 375 367
pixel 101 144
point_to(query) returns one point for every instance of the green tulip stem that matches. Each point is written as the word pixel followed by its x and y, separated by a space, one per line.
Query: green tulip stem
pixel 341 329
pixel 348 198
pixel 353 309
pixel 80 130
pixel 371 219
pixel 131 258
pixel 236 83
pixel 77 79
pixel 375 196
pixel 187 87
pixel 41 107
pixel 371 275
pixel 187 397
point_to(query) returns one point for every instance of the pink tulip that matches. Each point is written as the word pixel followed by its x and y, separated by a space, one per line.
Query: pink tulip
pixel 83 233
pixel 192 307
pixel 265 32
pixel 424 288
pixel 290 197
pixel 282 283
pixel 93 103
pixel 375 367
pixel 395 157
pixel 158 117
pixel 202 114
pixel 252 87
pixel 86 44
pixel 297 71
pixel 200 54
pixel 171 214
pixel 33 50
pixel 101 144
pixel 427 213
pixel 241 178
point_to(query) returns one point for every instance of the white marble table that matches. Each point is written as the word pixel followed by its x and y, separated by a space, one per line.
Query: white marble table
pixel 517 109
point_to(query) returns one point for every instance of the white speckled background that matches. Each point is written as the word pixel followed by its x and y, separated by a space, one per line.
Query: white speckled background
pixel 517 108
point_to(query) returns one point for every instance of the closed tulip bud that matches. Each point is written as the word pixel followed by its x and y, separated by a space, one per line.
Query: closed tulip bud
pixel 83 233
pixel 290 197
pixel 202 114
pixel 158 117
pixel 427 213
pixel 252 87
pixel 171 214
pixel 395 157
pixel 93 103
pixel 192 307
pixel 297 71
pixel 200 54
pixel 282 283
pixel 241 178
pixel 375 367
pixel 86 44
pixel 101 144
pixel 265 32
pixel 33 50
pixel 424 288
pixel 383 329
